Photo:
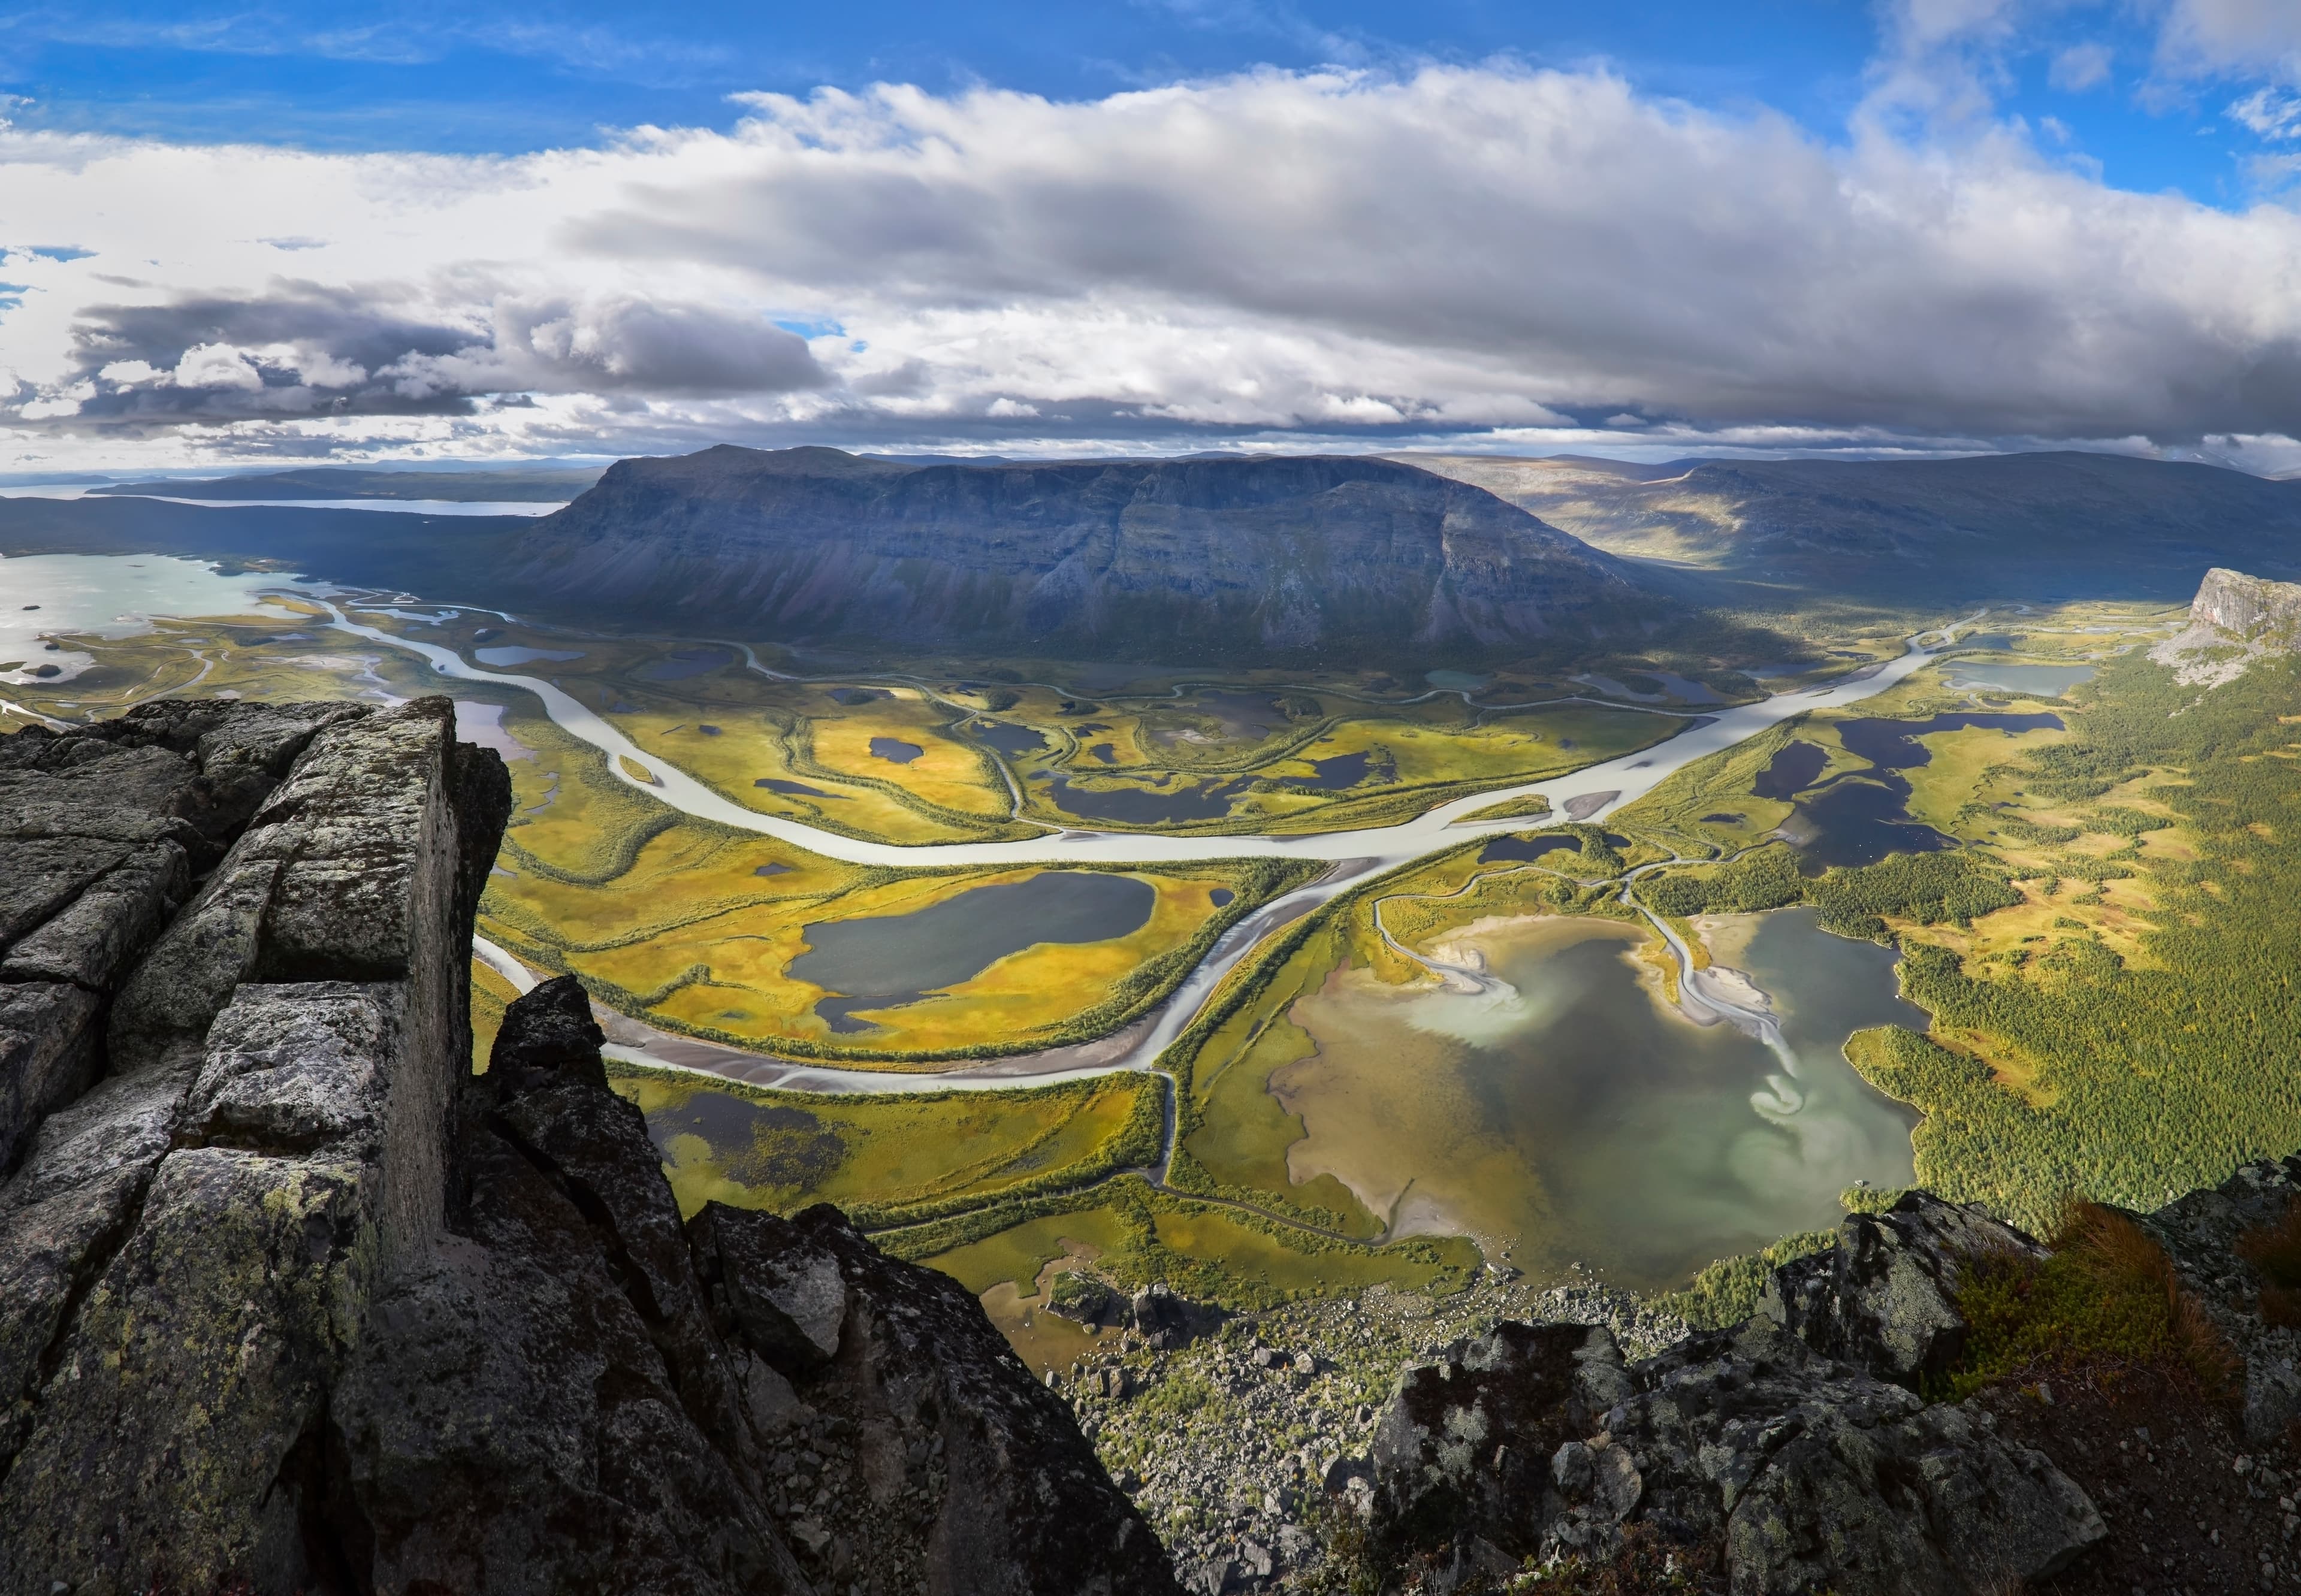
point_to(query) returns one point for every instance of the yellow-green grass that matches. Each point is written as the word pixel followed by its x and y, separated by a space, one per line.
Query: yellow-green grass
pixel 1266 1263
pixel 1014 1256
pixel 890 1158
pixel 491 994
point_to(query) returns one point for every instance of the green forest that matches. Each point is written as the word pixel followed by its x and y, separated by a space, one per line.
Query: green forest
pixel 2074 1069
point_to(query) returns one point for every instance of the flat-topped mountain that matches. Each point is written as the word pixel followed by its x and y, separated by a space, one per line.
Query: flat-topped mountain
pixel 1213 557
pixel 2045 525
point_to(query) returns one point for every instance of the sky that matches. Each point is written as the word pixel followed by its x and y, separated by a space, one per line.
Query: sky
pixel 276 235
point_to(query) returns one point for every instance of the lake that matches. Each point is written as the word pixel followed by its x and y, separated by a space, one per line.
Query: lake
pixel 1571 1117
pixel 886 960
pixel 2044 681
pixel 112 595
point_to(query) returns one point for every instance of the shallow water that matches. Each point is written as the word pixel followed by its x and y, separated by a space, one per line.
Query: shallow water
pixel 1569 1115
pixel 112 595
pixel 888 959
pixel 2046 681
pixel 894 750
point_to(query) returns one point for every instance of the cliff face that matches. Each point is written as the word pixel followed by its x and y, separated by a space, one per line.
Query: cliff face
pixel 2234 620
pixel 287 1297
pixel 1152 559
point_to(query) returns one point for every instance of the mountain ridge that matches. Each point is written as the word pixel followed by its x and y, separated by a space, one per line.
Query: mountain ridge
pixel 1278 555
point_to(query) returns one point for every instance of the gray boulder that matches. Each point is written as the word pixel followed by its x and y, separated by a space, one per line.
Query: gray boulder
pixel 1537 1442
pixel 1884 1297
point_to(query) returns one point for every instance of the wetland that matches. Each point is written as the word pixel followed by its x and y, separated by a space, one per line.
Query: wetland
pixel 1565 1113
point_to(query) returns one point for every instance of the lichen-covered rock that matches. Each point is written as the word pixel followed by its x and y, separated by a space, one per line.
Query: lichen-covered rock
pixel 1537 1442
pixel 2202 1234
pixel 1883 1299
pixel 291 1301
pixel 187 1252
pixel 961 1473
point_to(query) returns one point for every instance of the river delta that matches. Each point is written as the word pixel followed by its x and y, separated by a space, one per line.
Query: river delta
pixel 1565 1112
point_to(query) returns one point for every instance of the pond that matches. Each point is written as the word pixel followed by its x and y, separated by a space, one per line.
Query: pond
pixel 684 664
pixel 2044 681
pixel 514 654
pixel 1521 849
pixel 1856 821
pixel 1456 681
pixel 1572 1117
pixel 1331 775
pixel 1893 745
pixel 1010 738
pixel 885 961
pixel 1791 771
pixel 1139 806
pixel 894 750
pixel 790 788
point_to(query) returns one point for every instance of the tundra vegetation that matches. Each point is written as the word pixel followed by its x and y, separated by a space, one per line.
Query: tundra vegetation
pixel 2102 952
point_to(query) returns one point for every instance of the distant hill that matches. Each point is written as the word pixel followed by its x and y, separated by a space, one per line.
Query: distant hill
pixel 2047 525
pixel 1228 557
pixel 550 485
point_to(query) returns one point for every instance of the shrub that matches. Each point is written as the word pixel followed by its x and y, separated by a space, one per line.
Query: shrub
pixel 2106 1302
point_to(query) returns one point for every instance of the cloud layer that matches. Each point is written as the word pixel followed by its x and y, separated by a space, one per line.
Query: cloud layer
pixel 1474 254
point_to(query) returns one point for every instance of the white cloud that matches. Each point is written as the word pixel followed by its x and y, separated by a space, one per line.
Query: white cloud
pixel 1456 252
pixel 2269 113
pixel 2080 67
pixel 2239 37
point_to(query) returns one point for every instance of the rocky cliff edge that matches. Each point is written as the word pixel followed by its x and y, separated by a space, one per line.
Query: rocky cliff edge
pixel 292 1302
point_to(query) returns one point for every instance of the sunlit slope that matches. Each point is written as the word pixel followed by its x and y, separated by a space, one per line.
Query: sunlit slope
pixel 2045 526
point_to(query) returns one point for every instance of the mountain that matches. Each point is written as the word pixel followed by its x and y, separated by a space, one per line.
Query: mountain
pixel 1231 557
pixel 543 485
pixel 2047 525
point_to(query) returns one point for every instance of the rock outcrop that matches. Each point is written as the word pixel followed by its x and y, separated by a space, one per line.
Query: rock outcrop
pixel 1795 1442
pixel 2234 620
pixel 1232 557
pixel 290 1301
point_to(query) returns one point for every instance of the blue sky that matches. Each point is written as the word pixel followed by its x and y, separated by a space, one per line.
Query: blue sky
pixel 247 232
pixel 473 78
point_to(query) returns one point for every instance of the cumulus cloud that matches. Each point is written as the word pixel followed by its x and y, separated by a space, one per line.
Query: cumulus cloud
pixel 1488 252
pixel 2234 36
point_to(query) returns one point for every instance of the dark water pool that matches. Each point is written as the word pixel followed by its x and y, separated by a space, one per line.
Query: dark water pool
pixel 894 750
pixel 790 788
pixel 1792 771
pixel 686 663
pixel 1009 738
pixel 856 695
pixel 1857 821
pixel 1523 848
pixel 1893 745
pixel 1332 775
pixel 885 961
pixel 1104 752
pixel 1139 806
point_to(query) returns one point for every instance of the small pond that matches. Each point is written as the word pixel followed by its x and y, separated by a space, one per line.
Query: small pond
pixel 516 654
pixel 885 961
pixel 1456 681
pixel 1331 775
pixel 790 788
pixel 1523 848
pixel 894 750
pixel 1139 806
pixel 1010 738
